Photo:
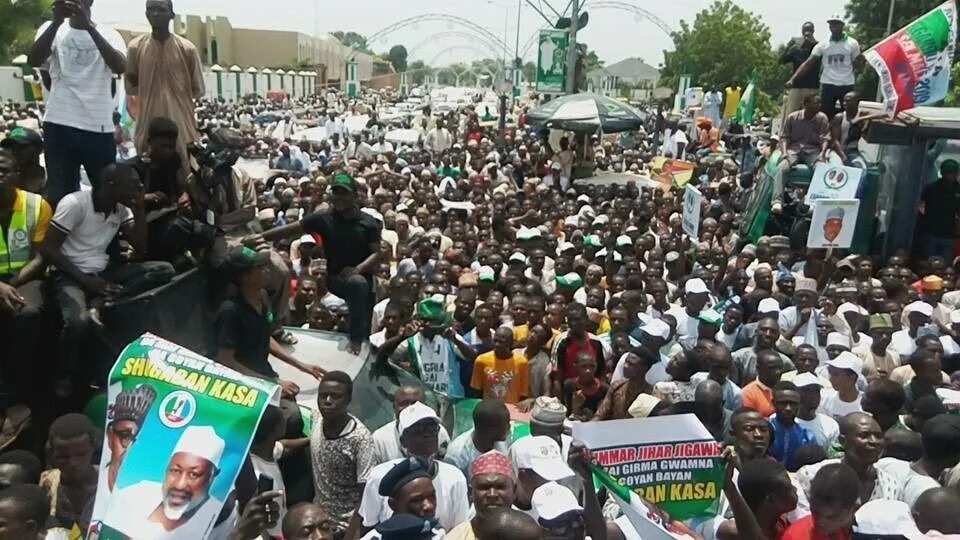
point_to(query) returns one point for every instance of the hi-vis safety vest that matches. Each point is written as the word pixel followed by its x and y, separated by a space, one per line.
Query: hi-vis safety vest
pixel 15 249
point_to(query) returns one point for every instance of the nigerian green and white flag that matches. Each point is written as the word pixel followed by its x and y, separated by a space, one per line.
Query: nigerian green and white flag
pixel 748 104
pixel 647 523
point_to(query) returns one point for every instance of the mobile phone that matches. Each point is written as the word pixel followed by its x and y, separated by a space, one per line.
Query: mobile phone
pixel 264 484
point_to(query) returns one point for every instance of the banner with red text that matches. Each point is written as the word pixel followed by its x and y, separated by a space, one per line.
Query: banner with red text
pixel 671 461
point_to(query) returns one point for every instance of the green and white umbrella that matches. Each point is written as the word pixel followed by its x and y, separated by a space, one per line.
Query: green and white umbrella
pixel 587 113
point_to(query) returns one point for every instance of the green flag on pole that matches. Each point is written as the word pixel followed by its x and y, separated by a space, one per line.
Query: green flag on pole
pixel 748 104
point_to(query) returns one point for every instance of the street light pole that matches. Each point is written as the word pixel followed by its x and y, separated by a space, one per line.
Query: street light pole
pixel 572 48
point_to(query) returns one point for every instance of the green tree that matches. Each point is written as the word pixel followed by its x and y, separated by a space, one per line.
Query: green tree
pixel 725 45
pixel 867 20
pixel 529 72
pixel 353 39
pixel 419 71
pixel 18 25
pixel 398 57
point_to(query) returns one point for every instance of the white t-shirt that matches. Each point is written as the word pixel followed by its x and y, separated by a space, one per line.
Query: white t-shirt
pixel 912 483
pixel 452 502
pixel 837 60
pixel 88 232
pixel 832 406
pixel 80 90
pixel 824 429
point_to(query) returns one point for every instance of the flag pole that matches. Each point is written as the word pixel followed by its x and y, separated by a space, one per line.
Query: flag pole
pixel 889 30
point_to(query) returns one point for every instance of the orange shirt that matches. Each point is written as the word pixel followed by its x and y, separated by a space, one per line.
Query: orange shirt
pixel 758 397
pixel 506 379
pixel 805 529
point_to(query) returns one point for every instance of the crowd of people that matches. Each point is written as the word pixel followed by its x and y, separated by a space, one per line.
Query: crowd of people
pixel 472 261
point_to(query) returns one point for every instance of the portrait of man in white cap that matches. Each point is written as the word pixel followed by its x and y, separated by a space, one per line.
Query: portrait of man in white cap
pixel 181 506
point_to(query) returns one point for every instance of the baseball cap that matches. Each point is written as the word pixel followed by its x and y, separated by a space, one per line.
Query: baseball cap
pixel 551 500
pixel 887 519
pixel 240 259
pixel 695 286
pixel 21 136
pixel 345 181
pixel 571 280
pixel 807 379
pixel 432 308
pixel 415 413
pixel 542 455
pixel 624 240
pixel 656 328
pixel 486 273
pixel 768 305
pixel 838 339
pixel 846 360
pixel 836 17
pixel 955 316
pixel 919 307
pixel 850 307
pixel 592 240
pixel 518 257
pixel 307 239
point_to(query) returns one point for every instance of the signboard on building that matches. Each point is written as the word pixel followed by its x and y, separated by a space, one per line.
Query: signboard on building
pixel 552 60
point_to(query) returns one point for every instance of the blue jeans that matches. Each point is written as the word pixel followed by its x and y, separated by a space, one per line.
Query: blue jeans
pixel 65 150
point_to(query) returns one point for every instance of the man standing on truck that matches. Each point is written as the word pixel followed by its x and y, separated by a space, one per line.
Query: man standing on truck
pixel 939 206
pixel 797 52
pixel 840 57
pixel 351 239
pixel 805 139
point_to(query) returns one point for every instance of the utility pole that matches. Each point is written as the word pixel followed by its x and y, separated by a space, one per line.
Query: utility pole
pixel 572 48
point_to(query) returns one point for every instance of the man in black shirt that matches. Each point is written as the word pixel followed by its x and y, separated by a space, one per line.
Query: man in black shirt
pixel 939 212
pixel 245 323
pixel 351 242
pixel 796 53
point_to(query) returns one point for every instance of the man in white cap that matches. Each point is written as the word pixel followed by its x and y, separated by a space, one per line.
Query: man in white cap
pixel 904 341
pixel 695 298
pixel 825 430
pixel 181 507
pixel 419 427
pixel 537 460
pixel 844 399
pixel 839 56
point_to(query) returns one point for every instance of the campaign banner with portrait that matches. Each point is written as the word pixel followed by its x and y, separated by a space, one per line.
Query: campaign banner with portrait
pixel 833 224
pixel 177 431
pixel 692 204
pixel 834 181
pixel 672 461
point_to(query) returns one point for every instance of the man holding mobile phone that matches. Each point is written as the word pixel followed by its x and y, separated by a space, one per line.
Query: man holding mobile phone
pixel 82 58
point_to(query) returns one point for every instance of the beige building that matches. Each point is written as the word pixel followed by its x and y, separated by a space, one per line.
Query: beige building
pixel 219 43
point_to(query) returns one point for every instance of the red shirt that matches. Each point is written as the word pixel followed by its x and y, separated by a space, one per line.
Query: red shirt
pixel 568 364
pixel 805 529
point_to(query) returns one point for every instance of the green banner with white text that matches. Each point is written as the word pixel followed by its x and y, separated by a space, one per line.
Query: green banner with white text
pixel 178 429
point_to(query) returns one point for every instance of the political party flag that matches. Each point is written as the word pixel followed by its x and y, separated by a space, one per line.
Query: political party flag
pixel 914 63
pixel 170 413
pixel 648 524
pixel 748 103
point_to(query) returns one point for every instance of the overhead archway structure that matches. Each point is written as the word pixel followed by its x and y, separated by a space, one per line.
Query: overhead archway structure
pixel 489 36
pixel 607 4
pixel 474 48
pixel 468 37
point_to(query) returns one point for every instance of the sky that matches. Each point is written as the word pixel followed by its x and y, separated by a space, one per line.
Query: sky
pixel 614 33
